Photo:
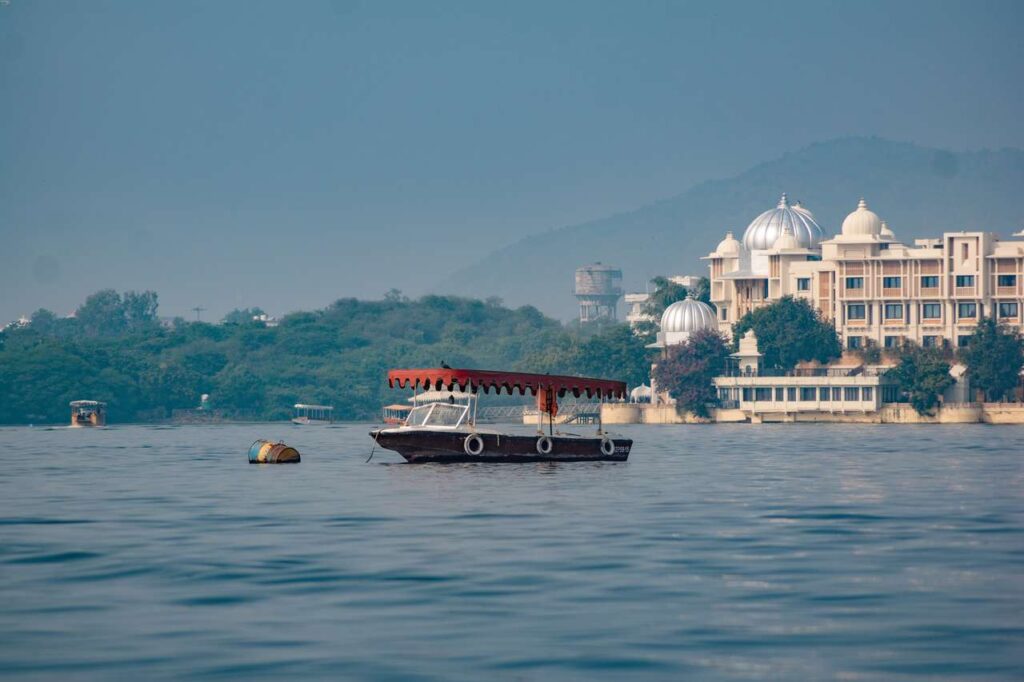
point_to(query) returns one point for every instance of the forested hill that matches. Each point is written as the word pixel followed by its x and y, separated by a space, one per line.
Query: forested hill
pixel 115 351
pixel 919 191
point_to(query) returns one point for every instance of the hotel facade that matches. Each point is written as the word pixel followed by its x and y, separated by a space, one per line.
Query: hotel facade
pixel 875 289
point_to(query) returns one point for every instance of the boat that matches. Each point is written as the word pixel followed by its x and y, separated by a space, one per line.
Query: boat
pixel 444 430
pixel 306 415
pixel 88 413
pixel 396 414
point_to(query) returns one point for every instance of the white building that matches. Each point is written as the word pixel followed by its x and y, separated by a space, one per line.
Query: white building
pixel 874 288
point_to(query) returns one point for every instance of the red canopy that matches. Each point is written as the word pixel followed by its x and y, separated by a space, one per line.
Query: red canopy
pixel 475 379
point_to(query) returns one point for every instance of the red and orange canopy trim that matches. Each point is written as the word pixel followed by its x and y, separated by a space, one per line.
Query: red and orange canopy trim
pixel 474 380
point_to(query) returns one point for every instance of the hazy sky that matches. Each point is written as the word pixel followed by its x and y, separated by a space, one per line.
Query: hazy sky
pixel 284 154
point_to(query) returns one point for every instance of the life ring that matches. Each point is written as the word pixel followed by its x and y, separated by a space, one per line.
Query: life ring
pixel 473 445
pixel 607 446
pixel 544 445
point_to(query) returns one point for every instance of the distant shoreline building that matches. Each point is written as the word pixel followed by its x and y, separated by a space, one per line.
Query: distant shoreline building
pixel 598 290
pixel 875 289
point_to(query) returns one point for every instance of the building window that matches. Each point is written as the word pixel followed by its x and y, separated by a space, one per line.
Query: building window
pixel 764 294
pixel 962 341
pixel 929 341
pixel 965 280
pixel 890 394
pixel 725 313
pixel 930 282
pixel 823 394
pixel 931 311
pixel 891 282
pixel 854 282
pixel 851 393
pixel 780 394
pixel 894 311
pixel 1006 280
pixel 967 310
pixel 868 393
pixel 762 393
pixel 723 394
pixel 808 393
pixel 803 283
pixel 747 394
pixel 791 393
pixel 855 311
pixel 892 341
pixel 854 342
pixel 837 394
pixel 1008 309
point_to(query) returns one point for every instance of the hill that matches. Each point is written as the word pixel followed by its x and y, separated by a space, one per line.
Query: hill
pixel 919 191
pixel 115 351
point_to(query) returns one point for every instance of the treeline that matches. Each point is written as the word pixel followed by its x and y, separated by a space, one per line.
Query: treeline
pixel 115 349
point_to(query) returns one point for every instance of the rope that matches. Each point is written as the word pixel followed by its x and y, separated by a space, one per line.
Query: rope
pixel 374 448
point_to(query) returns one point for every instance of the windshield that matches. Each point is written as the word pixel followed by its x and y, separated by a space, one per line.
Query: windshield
pixel 436 414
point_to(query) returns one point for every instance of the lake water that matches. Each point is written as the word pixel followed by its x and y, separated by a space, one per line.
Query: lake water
pixel 716 552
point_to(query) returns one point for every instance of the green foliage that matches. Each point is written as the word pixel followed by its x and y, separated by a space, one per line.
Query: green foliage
pixel 790 331
pixel 687 371
pixel 107 313
pixel 243 316
pixel 666 292
pixel 338 355
pixel 994 357
pixel 922 375
pixel 702 292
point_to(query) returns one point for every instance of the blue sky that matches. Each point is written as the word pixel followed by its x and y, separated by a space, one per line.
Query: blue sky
pixel 284 154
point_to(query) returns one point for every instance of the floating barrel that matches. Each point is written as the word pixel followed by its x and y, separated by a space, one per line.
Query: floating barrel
pixel 265 452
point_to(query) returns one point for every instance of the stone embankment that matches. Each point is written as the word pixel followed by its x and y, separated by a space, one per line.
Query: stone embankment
pixel 890 413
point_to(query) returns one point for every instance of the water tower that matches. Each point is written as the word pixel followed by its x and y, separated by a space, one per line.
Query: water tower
pixel 598 291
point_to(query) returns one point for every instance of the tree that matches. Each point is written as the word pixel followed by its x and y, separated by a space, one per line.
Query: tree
pixel 702 292
pixel 666 292
pixel 615 353
pixel 790 331
pixel 139 310
pixel 102 314
pixel 994 356
pixel 688 370
pixel 922 375
pixel 242 316
pixel 44 322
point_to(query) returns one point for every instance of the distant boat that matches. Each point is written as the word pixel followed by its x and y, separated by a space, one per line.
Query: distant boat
pixel 306 415
pixel 88 413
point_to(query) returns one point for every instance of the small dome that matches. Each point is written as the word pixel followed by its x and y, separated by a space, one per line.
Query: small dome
pixel 728 247
pixel 688 316
pixel 886 232
pixel 786 240
pixel 766 228
pixel 862 223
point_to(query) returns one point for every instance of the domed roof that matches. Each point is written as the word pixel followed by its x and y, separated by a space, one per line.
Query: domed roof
pixel 766 228
pixel 786 240
pixel 886 232
pixel 730 246
pixel 688 316
pixel 862 223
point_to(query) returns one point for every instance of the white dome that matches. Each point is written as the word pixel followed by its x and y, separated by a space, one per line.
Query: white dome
pixel 728 247
pixel 766 228
pixel 786 240
pixel 688 316
pixel 862 223
pixel 886 232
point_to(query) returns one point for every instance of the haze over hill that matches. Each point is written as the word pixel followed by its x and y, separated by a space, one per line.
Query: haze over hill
pixel 919 191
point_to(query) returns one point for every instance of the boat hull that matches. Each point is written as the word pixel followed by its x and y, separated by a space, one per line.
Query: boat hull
pixel 423 446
